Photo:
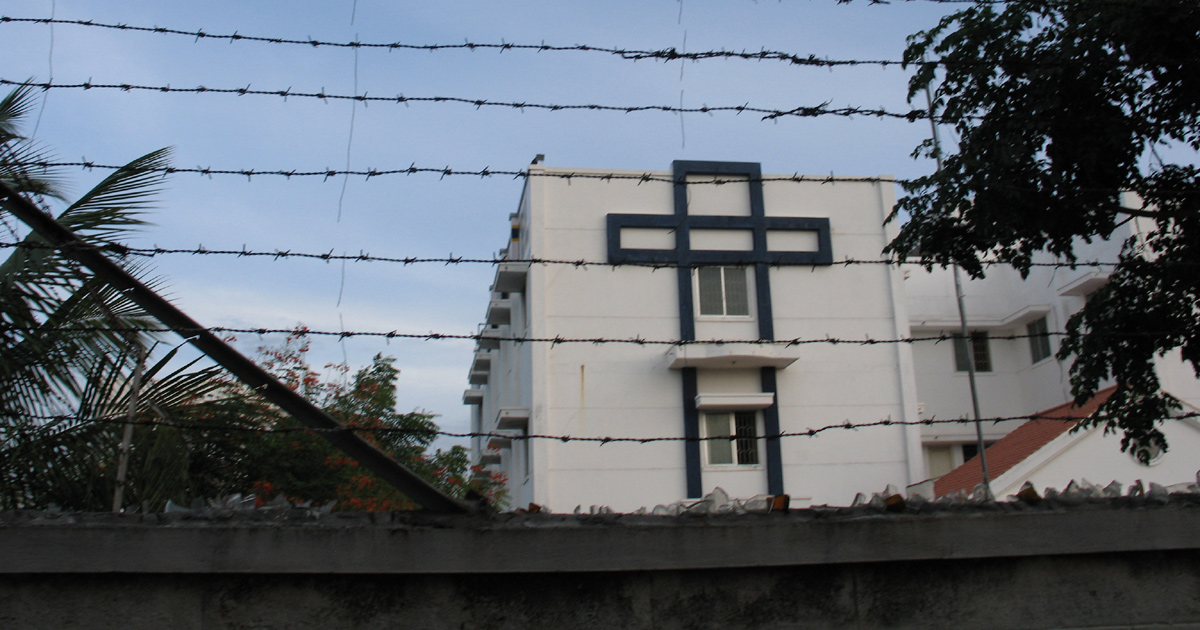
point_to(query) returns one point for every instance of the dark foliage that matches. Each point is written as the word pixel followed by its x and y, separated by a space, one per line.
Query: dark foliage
pixel 1059 108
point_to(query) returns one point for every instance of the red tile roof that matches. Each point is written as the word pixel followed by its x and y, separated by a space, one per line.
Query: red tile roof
pixel 1013 448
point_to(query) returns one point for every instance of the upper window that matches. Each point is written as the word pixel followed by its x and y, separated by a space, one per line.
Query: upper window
pixel 723 291
pixel 979 345
pixel 1039 340
pixel 741 429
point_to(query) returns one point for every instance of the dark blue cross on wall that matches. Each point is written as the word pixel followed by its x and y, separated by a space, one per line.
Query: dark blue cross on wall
pixel 759 257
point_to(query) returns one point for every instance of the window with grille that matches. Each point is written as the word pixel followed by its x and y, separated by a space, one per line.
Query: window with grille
pixel 979 345
pixel 741 430
pixel 723 291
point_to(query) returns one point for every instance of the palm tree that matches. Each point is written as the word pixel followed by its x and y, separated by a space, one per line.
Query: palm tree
pixel 67 353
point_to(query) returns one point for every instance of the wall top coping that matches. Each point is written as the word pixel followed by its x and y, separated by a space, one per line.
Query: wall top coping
pixel 302 541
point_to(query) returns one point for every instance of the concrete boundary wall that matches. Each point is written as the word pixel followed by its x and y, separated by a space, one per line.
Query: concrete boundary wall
pixel 1111 564
pixel 412 543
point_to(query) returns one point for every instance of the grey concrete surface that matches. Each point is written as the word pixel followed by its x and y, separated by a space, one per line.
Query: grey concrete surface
pixel 296 542
pixel 1113 564
pixel 1130 590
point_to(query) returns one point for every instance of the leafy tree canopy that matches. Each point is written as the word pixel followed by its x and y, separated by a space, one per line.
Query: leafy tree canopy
pixel 1059 108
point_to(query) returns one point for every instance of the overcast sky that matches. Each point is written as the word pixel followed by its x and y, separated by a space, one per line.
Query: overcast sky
pixel 425 215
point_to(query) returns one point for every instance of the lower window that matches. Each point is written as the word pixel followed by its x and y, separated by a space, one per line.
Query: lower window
pixel 942 458
pixel 741 430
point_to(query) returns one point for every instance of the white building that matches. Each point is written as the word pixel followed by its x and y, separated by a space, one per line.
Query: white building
pixel 747 261
pixel 1047 453
pixel 1015 377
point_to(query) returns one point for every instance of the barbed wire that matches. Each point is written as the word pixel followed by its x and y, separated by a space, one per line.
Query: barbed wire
pixel 663 54
pixel 444 172
pixel 810 432
pixel 768 114
pixel 282 254
pixel 644 177
pixel 556 340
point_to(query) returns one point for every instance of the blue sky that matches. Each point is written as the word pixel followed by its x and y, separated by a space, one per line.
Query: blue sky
pixel 424 215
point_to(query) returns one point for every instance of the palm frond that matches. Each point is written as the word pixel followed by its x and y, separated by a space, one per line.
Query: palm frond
pixel 22 169
pixel 17 154
pixel 50 361
pixel 110 387
pixel 115 205
pixel 65 349
pixel 13 108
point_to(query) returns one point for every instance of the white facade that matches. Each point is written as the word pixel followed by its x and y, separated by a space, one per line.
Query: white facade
pixel 637 391
pixel 1094 457
pixel 644 391
pixel 1017 380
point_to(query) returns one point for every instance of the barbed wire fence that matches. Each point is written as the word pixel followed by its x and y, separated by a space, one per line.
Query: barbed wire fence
pixel 847 425
pixel 444 172
pixel 120 250
pixel 664 55
pixel 556 340
pixel 822 109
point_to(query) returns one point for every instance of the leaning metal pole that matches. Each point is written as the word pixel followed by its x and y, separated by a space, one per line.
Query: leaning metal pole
pixel 371 458
pixel 962 316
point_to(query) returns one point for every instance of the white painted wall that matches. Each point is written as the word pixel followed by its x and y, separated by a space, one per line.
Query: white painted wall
pixel 1097 458
pixel 623 390
pixel 629 390
pixel 1001 304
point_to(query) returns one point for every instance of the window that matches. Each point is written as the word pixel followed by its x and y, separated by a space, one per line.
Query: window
pixel 979 345
pixel 942 458
pixel 1039 341
pixel 971 449
pixel 723 291
pixel 939 460
pixel 741 427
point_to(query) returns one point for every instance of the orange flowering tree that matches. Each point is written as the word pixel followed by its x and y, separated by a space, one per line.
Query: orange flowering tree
pixel 277 457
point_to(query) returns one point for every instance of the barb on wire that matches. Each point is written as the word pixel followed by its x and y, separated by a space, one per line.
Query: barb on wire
pixel 280 254
pixel 768 114
pixel 493 335
pixel 809 432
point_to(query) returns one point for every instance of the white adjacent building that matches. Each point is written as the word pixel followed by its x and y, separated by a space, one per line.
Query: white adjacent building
pixel 1047 453
pixel 1015 377
pixel 731 267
